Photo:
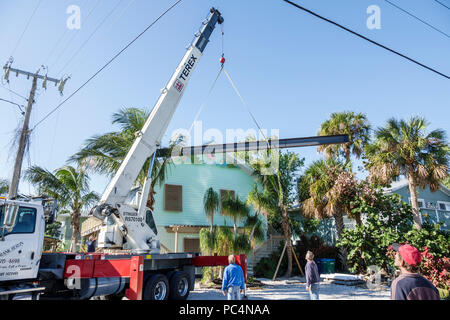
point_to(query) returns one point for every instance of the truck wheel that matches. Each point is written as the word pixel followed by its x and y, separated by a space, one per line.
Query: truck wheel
pixel 156 288
pixel 179 286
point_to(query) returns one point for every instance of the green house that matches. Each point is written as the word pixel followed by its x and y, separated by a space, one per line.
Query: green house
pixel 178 210
pixel 434 206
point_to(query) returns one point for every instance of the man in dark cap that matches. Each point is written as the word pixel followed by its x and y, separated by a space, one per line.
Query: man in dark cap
pixel 410 285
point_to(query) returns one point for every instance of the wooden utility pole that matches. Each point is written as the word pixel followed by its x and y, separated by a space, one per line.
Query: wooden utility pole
pixel 13 189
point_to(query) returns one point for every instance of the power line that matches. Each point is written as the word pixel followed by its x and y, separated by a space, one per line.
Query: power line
pixel 107 64
pixel 367 39
pixel 56 44
pixel 12 91
pixel 16 104
pixel 417 18
pixel 75 34
pixel 442 4
pixel 26 27
pixel 90 36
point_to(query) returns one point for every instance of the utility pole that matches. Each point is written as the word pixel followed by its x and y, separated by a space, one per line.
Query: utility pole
pixel 13 189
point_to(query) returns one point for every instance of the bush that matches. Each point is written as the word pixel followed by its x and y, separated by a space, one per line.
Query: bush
pixel 266 266
pixel 387 219
pixel 317 246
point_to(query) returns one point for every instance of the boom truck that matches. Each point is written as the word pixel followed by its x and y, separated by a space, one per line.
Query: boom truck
pixel 135 268
pixel 131 264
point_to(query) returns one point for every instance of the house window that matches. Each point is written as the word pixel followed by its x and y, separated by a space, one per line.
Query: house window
pixel 224 196
pixel 420 202
pixel 443 206
pixel 173 198
pixel 192 245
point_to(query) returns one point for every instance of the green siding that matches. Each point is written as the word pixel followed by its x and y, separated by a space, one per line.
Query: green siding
pixel 429 197
pixel 196 179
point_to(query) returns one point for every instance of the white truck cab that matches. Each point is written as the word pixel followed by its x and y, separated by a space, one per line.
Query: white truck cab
pixel 22 229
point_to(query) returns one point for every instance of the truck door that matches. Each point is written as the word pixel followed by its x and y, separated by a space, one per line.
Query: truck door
pixel 20 250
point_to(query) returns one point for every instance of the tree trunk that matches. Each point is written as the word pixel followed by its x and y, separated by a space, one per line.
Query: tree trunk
pixel 414 204
pixel 287 237
pixel 151 199
pixel 250 238
pixel 212 223
pixel 358 219
pixel 339 223
pixel 235 229
pixel 347 153
pixel 75 230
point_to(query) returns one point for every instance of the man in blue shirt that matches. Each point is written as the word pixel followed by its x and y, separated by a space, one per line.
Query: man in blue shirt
pixel 233 280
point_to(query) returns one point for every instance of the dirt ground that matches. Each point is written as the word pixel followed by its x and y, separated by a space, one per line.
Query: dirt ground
pixel 294 289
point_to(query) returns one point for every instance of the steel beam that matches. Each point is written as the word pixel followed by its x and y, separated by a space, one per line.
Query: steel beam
pixel 256 145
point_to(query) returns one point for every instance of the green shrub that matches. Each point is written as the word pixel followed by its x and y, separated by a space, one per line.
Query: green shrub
pixel 317 246
pixel 387 219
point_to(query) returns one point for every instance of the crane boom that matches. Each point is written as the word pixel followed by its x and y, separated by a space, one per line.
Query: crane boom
pixel 156 125
pixel 124 226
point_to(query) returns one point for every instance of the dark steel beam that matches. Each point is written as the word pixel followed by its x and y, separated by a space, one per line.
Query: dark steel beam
pixel 256 145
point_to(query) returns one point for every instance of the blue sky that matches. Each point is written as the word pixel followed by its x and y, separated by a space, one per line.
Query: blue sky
pixel 292 69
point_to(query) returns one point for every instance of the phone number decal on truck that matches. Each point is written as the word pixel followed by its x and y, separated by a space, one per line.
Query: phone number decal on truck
pixel 12 249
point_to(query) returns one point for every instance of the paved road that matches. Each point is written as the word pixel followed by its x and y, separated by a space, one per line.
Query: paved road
pixel 294 289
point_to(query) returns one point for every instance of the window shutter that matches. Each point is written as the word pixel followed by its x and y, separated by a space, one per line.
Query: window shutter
pixel 192 245
pixel 173 198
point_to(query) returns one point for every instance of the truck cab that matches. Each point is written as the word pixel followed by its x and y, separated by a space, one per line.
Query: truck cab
pixel 22 229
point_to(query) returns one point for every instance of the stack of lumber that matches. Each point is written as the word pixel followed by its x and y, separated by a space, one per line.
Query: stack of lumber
pixel 343 279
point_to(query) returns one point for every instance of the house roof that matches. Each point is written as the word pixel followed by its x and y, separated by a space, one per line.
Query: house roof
pixel 397 185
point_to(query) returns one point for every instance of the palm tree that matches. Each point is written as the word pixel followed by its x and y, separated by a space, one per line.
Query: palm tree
pixel 104 153
pixel 260 204
pixel 403 148
pixel 70 186
pixel 355 125
pixel 325 200
pixel 211 203
pixel 236 209
pixel 278 192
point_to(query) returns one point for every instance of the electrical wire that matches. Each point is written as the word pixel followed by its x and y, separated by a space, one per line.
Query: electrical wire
pixel 16 104
pixel 417 18
pixel 75 34
pixel 90 37
pixel 57 43
pixel 120 16
pixel 11 91
pixel 442 4
pixel 26 28
pixel 107 64
pixel 367 39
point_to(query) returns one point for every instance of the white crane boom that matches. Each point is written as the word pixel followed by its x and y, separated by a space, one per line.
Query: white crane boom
pixel 128 224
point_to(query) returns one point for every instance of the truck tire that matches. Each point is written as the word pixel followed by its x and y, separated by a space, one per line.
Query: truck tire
pixel 179 286
pixel 156 288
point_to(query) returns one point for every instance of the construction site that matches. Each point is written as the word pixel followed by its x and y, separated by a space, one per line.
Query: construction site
pixel 211 150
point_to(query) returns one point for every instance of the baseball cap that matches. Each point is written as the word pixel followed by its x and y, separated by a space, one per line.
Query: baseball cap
pixel 409 253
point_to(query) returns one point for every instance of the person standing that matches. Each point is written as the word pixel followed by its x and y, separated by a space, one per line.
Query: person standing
pixel 410 285
pixel 233 280
pixel 91 244
pixel 312 277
